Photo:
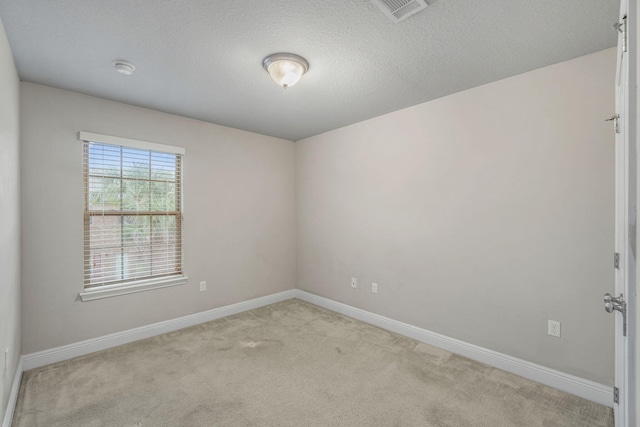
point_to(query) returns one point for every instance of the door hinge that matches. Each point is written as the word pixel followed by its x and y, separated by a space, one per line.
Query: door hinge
pixel 616 395
pixel 616 122
pixel 616 260
pixel 622 28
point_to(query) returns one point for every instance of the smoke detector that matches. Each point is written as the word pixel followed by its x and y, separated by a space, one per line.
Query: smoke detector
pixel 124 67
pixel 399 10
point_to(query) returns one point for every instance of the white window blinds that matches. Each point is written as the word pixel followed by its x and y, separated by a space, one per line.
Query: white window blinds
pixel 132 213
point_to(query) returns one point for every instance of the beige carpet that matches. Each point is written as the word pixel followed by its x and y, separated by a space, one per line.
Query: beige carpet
pixel 289 364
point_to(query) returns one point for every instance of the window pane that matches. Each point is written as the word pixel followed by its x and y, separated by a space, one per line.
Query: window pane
pixel 139 262
pixel 135 195
pixel 106 265
pixel 135 163
pixel 104 193
pixel 104 160
pixel 105 232
pixel 136 230
pixel 166 245
pixel 105 246
pixel 136 241
pixel 163 166
pixel 163 196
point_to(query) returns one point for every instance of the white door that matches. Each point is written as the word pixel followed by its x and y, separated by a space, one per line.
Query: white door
pixel 624 262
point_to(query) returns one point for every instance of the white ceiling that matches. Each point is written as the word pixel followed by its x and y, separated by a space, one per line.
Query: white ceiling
pixel 203 58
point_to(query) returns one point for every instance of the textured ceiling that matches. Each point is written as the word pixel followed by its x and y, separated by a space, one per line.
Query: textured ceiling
pixel 203 58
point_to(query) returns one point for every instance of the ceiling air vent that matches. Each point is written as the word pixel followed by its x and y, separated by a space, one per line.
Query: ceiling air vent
pixel 399 10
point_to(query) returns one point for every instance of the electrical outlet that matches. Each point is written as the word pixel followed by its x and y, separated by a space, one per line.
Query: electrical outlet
pixel 203 286
pixel 374 288
pixel 354 282
pixel 554 328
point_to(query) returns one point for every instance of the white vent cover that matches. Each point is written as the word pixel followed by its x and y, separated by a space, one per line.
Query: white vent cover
pixel 399 10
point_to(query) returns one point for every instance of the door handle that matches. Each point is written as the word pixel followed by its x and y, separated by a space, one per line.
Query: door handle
pixel 612 304
pixel 608 307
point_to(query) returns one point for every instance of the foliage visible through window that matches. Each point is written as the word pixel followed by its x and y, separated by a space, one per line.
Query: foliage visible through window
pixel 132 219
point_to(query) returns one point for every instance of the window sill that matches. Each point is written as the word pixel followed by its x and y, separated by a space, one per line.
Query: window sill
pixel 131 287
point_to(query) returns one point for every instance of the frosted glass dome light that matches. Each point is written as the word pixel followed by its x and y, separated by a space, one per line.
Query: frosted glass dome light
pixel 285 69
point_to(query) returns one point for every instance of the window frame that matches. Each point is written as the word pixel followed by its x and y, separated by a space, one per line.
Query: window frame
pixel 127 286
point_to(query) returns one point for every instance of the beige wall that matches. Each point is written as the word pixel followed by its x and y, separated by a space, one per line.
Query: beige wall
pixel 480 215
pixel 9 218
pixel 239 210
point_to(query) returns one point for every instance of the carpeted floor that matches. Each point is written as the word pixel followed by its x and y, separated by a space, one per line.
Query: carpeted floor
pixel 289 364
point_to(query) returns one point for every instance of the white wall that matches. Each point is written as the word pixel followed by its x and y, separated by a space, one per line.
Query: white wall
pixel 9 218
pixel 239 216
pixel 480 215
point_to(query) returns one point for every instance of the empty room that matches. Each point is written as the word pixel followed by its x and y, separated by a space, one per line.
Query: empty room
pixel 318 213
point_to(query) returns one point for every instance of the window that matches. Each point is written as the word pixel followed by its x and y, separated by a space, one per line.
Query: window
pixel 132 216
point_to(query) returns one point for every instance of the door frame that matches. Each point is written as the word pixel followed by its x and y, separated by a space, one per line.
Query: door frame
pixel 626 188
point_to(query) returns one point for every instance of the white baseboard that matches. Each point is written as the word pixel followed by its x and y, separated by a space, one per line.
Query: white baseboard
pixel 13 395
pixel 571 384
pixel 58 354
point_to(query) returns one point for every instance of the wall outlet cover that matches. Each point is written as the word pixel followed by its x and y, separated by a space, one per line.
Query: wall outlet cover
pixel 554 328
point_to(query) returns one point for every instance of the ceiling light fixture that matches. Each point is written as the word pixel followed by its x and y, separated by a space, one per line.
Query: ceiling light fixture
pixel 285 68
pixel 124 67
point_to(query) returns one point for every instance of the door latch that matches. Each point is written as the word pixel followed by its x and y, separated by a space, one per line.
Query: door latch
pixel 612 303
